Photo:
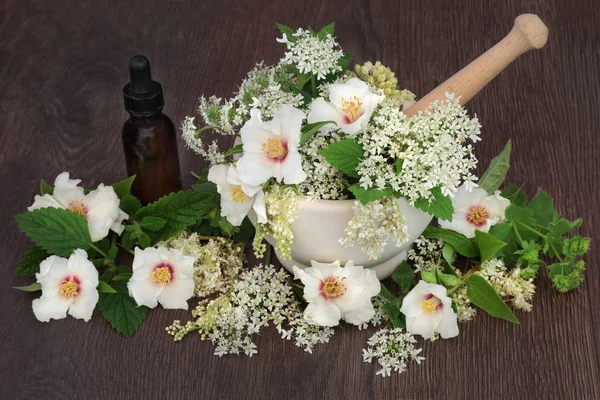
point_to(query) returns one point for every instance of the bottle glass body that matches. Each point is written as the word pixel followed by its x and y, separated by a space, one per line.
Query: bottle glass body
pixel 151 154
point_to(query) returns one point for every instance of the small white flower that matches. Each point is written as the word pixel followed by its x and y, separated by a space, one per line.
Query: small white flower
pixel 428 310
pixel 475 210
pixel 351 105
pixel 271 148
pixel 335 293
pixel 162 276
pixel 68 285
pixel 100 207
pixel 237 198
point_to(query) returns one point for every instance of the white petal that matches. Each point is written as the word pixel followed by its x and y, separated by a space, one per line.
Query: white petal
pixel 67 190
pixel 50 307
pixel 321 111
pixel 176 294
pixel 424 324
pixel 84 304
pixel 103 210
pixel 254 133
pixel 233 178
pixel 459 224
pixel 234 211
pixel 145 260
pixel 255 169
pixel 496 206
pixel 361 313
pixel 144 292
pixel 411 304
pixel 52 270
pixel 323 313
pixel 286 122
pixel 464 199
pixel 259 207
pixel 448 327
pixel 354 87
pixel 117 225
pixel 323 270
pixel 291 169
pixel 217 174
pixel 183 265
pixel 43 202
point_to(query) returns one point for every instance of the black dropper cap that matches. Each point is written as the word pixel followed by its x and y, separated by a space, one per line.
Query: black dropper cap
pixel 143 96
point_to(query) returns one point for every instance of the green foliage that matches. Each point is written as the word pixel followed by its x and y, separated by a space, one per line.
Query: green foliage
pixel 440 207
pixel 488 245
pixel 237 149
pixel 366 196
pixel 429 276
pixel 122 188
pixel 34 287
pixel 398 165
pixel 483 295
pixel 130 204
pixel 287 30
pixel 344 155
pixel 245 232
pixel 448 280
pixel 29 265
pixel 461 244
pixel 104 287
pixel 515 195
pixel 121 310
pixel 152 224
pixel 56 230
pixel 309 130
pixel 45 188
pixel 404 276
pixel 492 179
pixel 326 30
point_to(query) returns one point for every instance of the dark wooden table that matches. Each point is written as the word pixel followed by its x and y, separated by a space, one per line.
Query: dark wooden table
pixel 62 67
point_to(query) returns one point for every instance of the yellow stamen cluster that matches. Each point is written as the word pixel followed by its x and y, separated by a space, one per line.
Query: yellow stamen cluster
pixel 238 195
pixel 478 215
pixel 161 275
pixel 78 207
pixel 69 288
pixel 428 306
pixel 333 288
pixel 274 149
pixel 352 108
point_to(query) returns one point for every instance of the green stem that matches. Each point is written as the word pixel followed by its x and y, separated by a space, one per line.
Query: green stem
pixel 313 83
pixel 540 234
pixel 100 251
pixel 518 235
pixel 205 128
pixel 127 250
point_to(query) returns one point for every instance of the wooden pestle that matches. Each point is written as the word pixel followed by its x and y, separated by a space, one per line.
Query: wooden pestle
pixel 529 32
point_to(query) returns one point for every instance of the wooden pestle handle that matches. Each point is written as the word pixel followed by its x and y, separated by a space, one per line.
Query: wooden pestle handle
pixel 528 33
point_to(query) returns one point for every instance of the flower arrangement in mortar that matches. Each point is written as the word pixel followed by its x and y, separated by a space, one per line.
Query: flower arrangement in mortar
pixel 327 158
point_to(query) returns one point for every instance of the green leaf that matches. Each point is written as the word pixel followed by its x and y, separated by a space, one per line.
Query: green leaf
pixel 368 195
pixel 237 149
pixel 104 287
pixel 515 195
pixel 181 209
pixel 153 224
pixel 449 281
pixel 245 232
pixel 492 179
pixel 121 310
pixel 123 277
pixel 287 30
pixel 448 253
pixel 399 164
pixel 29 264
pixel 144 240
pixel 429 276
pixel 122 188
pixel 461 244
pixel 404 276
pixel 309 130
pixel 56 230
pixel 327 30
pixel 483 295
pixel 386 294
pixel 392 311
pixel 542 208
pixel 130 204
pixel 344 155
pixel 440 207
pixel 520 216
pixel 488 245
pixel 345 61
pixel 107 275
pixel 45 188
pixel 34 287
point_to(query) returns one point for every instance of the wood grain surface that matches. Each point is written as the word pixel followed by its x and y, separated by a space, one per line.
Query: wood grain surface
pixel 62 67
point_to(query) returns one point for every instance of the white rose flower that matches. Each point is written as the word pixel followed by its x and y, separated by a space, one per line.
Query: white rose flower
pixel 335 293
pixel 351 106
pixel 428 310
pixel 271 148
pixel 162 276
pixel 100 207
pixel 237 198
pixel 68 286
pixel 475 211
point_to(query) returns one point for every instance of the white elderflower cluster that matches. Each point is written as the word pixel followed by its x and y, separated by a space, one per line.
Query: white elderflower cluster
pixel 373 225
pixel 262 295
pixel 282 211
pixel 393 349
pixel 312 55
pixel 191 136
pixel 426 255
pixel 323 181
pixel 509 284
pixel 433 147
pixel 218 261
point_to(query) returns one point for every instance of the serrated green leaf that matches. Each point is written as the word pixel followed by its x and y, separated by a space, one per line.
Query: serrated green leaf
pixel 45 188
pixel 542 208
pixel 366 196
pixel 237 149
pixel 144 240
pixel 461 244
pixel 404 276
pixel 56 230
pixel 130 204
pixel 180 210
pixel 121 310
pixel 122 188
pixel 492 179
pixel 483 295
pixel 104 287
pixel 309 130
pixel 29 264
pixel 429 276
pixel 152 224
pixel 515 195
pixel 440 207
pixel 488 245
pixel 34 287
pixel 345 155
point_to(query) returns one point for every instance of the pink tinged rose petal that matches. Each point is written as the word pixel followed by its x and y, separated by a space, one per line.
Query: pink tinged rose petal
pixel 323 313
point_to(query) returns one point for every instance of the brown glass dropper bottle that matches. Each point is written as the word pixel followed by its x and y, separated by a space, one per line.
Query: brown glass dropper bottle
pixel 149 137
